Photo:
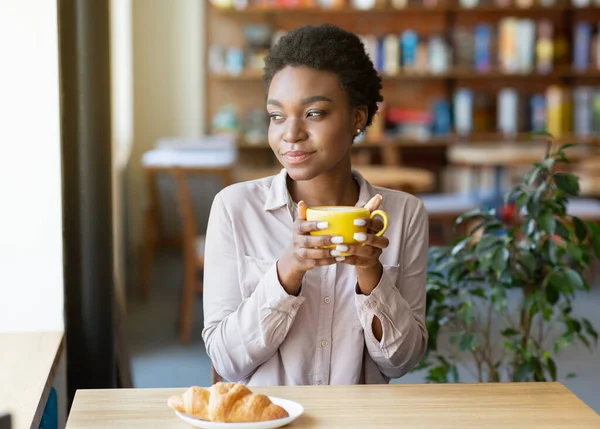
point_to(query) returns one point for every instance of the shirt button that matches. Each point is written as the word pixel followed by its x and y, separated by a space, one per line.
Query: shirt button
pixel 324 343
pixel 327 300
pixel 296 305
pixel 372 304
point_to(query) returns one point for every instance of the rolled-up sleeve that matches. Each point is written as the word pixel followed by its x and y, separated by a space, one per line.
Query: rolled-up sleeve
pixel 398 301
pixel 240 334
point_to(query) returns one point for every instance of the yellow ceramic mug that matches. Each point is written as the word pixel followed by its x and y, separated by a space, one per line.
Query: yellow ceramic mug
pixel 341 221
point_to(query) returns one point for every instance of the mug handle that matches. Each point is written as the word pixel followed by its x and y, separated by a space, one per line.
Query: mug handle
pixel 384 216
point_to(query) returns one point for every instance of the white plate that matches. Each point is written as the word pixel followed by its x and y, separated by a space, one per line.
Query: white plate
pixel 294 409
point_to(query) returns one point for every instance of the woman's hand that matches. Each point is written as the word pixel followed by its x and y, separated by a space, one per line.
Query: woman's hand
pixel 303 254
pixel 366 256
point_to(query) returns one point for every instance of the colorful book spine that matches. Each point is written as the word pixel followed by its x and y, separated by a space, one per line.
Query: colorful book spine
pixel 483 36
pixel 583 118
pixel 525 45
pixel 545 47
pixel 463 112
pixel 442 122
pixel 508 107
pixel 537 110
pixel 391 66
pixel 559 111
pixel 438 55
pixel 409 43
pixel 379 66
pixel 582 40
pixel 508 45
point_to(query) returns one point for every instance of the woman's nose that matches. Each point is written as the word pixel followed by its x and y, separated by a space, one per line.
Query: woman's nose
pixel 294 131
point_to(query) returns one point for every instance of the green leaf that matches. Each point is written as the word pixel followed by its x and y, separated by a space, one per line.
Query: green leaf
pixel 541 133
pixel 530 227
pixel 575 251
pixel 552 294
pixel 567 182
pixel 590 329
pixel 528 261
pixel 547 222
pixel 594 232
pixel 522 201
pixel 550 251
pixel 466 312
pixel 524 371
pixel 562 231
pixel 458 247
pixel 571 375
pixel 568 145
pixel 548 163
pixel 478 291
pixel 573 279
pixel 580 229
pixel 551 368
pixel 471 214
pixel 573 326
pixel 510 332
pixel 585 341
pixel 468 343
pixel 500 259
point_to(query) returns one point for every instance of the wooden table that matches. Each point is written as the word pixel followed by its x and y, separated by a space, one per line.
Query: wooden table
pixel 28 362
pixel 464 406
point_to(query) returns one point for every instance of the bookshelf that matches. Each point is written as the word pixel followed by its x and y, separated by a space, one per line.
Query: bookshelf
pixel 412 89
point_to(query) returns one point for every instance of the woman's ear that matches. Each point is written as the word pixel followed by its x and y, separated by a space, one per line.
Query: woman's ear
pixel 361 113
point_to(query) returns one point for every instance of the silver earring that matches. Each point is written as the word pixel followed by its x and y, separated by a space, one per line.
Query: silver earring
pixel 358 131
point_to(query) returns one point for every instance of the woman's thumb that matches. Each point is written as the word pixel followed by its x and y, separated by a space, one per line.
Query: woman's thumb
pixel 302 210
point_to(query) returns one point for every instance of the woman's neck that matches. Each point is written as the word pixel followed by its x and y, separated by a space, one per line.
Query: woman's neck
pixel 336 187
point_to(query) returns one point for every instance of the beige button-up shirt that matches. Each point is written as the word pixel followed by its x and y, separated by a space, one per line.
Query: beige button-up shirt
pixel 257 334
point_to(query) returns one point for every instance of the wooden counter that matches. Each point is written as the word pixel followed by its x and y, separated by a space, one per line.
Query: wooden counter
pixel 464 406
pixel 28 362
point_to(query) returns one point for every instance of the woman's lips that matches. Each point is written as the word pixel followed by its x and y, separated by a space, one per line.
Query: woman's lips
pixel 297 156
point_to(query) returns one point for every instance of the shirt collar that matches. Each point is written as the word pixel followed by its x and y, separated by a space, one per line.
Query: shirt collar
pixel 278 195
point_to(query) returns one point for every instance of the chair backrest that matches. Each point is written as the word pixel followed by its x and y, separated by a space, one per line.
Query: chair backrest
pixel 184 199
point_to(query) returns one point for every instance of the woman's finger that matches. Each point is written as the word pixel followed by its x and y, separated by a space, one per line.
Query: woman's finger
pixel 374 203
pixel 368 252
pixel 312 263
pixel 304 227
pixel 302 210
pixel 373 240
pixel 311 253
pixel 312 241
pixel 375 224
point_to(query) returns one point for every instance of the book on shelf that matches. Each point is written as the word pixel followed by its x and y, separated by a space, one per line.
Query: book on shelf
pixel 559 108
pixel 483 42
pixel 508 109
pixel 582 45
pixel 545 46
pixel 583 111
pixel 463 111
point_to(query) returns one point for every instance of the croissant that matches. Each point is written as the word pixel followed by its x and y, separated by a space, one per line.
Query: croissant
pixel 226 402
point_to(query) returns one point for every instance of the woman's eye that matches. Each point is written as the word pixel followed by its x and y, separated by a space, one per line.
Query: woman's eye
pixel 275 117
pixel 315 114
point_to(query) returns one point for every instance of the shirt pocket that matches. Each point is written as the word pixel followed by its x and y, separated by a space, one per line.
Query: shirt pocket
pixel 253 270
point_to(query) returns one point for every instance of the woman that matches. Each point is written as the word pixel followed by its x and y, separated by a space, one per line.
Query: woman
pixel 278 310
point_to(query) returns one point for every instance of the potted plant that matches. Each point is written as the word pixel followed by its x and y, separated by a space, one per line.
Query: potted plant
pixel 499 300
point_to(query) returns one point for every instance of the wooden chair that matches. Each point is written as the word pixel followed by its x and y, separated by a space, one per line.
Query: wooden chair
pixel 192 244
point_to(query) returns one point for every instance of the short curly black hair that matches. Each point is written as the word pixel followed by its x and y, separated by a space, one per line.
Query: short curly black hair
pixel 329 48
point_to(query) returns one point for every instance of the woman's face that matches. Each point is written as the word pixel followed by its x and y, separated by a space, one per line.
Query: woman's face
pixel 311 121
